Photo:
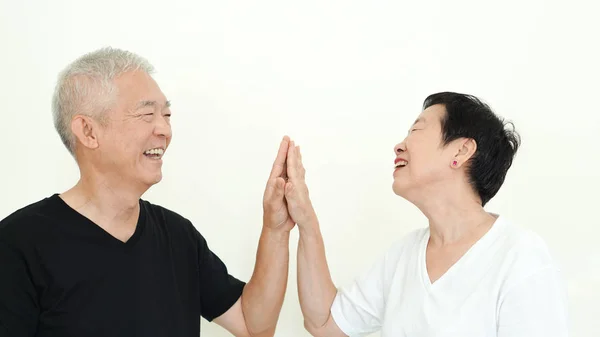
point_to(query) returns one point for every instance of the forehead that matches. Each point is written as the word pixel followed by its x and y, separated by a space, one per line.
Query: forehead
pixel 431 115
pixel 136 86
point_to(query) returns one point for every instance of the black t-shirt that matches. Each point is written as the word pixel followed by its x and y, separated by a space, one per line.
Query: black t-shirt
pixel 62 275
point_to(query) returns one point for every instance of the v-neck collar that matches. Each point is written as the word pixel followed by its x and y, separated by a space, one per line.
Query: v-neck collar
pixel 480 244
pixel 73 215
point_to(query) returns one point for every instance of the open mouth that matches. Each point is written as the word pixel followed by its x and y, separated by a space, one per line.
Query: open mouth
pixel 400 163
pixel 155 153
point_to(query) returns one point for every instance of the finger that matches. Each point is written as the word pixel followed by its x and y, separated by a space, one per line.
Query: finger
pixel 274 192
pixel 279 164
pixel 298 156
pixel 292 161
pixel 301 170
pixel 289 190
pixel 269 190
pixel 284 174
pixel 279 188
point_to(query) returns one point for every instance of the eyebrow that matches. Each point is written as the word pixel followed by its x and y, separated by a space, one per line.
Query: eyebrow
pixel 143 104
pixel 420 119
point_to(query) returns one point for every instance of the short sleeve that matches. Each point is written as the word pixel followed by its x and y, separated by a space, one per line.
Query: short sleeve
pixel 535 307
pixel 358 308
pixel 18 299
pixel 218 289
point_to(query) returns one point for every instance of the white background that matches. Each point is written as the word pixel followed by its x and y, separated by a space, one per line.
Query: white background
pixel 345 79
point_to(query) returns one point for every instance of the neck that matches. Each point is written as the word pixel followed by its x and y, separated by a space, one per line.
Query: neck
pixel 103 199
pixel 455 217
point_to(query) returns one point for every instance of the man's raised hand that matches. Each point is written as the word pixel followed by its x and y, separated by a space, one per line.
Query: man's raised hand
pixel 275 208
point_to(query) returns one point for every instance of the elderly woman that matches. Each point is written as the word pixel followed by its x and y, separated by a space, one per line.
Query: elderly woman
pixel 469 273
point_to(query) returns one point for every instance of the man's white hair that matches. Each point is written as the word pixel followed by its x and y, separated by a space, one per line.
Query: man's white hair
pixel 86 87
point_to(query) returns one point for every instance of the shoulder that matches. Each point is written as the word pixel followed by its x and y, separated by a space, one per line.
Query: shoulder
pixel 526 254
pixel 38 208
pixel 407 245
pixel 173 221
pixel 162 213
pixel 28 220
pixel 531 283
pixel 524 246
pixel 399 253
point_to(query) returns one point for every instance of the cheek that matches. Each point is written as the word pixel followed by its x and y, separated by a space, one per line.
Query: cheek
pixel 429 170
pixel 427 165
pixel 128 141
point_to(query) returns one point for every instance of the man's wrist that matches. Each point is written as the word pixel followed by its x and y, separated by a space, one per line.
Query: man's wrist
pixel 276 233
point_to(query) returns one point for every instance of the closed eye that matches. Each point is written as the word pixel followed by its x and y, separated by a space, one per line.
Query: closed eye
pixel 145 116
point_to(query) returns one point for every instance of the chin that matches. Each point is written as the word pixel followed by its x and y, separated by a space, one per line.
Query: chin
pixel 153 179
pixel 404 188
pixel 157 179
pixel 398 189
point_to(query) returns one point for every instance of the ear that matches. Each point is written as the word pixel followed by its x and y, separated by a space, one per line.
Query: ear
pixel 466 150
pixel 85 130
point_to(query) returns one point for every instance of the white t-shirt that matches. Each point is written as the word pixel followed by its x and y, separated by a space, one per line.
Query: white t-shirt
pixel 506 285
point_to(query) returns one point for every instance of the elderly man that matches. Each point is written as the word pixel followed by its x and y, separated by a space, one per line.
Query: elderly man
pixel 97 260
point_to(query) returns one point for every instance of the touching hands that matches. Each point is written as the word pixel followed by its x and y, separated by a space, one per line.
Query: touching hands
pixel 275 211
pixel 286 200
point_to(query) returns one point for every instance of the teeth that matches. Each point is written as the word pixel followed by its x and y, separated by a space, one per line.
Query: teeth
pixel 156 151
pixel 401 163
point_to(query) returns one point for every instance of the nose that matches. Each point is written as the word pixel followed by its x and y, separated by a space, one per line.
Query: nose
pixel 399 148
pixel 162 127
